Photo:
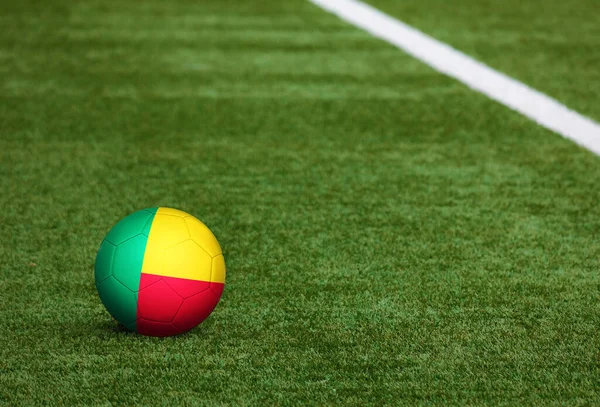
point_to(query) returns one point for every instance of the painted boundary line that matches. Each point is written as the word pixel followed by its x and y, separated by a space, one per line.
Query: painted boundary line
pixel 529 102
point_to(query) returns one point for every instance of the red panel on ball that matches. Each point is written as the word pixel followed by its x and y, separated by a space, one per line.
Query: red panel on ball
pixel 152 328
pixel 158 302
pixel 186 288
pixel 217 288
pixel 196 309
pixel 148 279
pixel 169 305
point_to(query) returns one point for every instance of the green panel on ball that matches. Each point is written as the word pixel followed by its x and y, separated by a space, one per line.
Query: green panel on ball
pixel 104 261
pixel 119 300
pixel 128 259
pixel 130 226
pixel 118 266
pixel 147 227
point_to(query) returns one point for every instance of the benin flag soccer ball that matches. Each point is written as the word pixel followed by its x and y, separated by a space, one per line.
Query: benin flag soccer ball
pixel 160 272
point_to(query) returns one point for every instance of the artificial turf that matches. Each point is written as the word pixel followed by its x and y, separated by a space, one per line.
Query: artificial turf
pixel 550 45
pixel 391 237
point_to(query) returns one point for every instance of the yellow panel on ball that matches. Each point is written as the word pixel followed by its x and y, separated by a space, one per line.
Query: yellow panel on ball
pixel 202 235
pixel 173 251
pixel 218 269
pixel 171 211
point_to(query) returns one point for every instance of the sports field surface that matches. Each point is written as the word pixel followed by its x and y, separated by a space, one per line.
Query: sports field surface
pixel 391 236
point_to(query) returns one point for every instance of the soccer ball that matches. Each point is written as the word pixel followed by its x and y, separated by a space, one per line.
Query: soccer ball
pixel 160 272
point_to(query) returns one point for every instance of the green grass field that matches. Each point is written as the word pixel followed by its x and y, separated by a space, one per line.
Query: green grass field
pixel 391 237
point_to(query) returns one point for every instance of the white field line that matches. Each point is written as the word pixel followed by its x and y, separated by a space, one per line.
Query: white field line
pixel 529 102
